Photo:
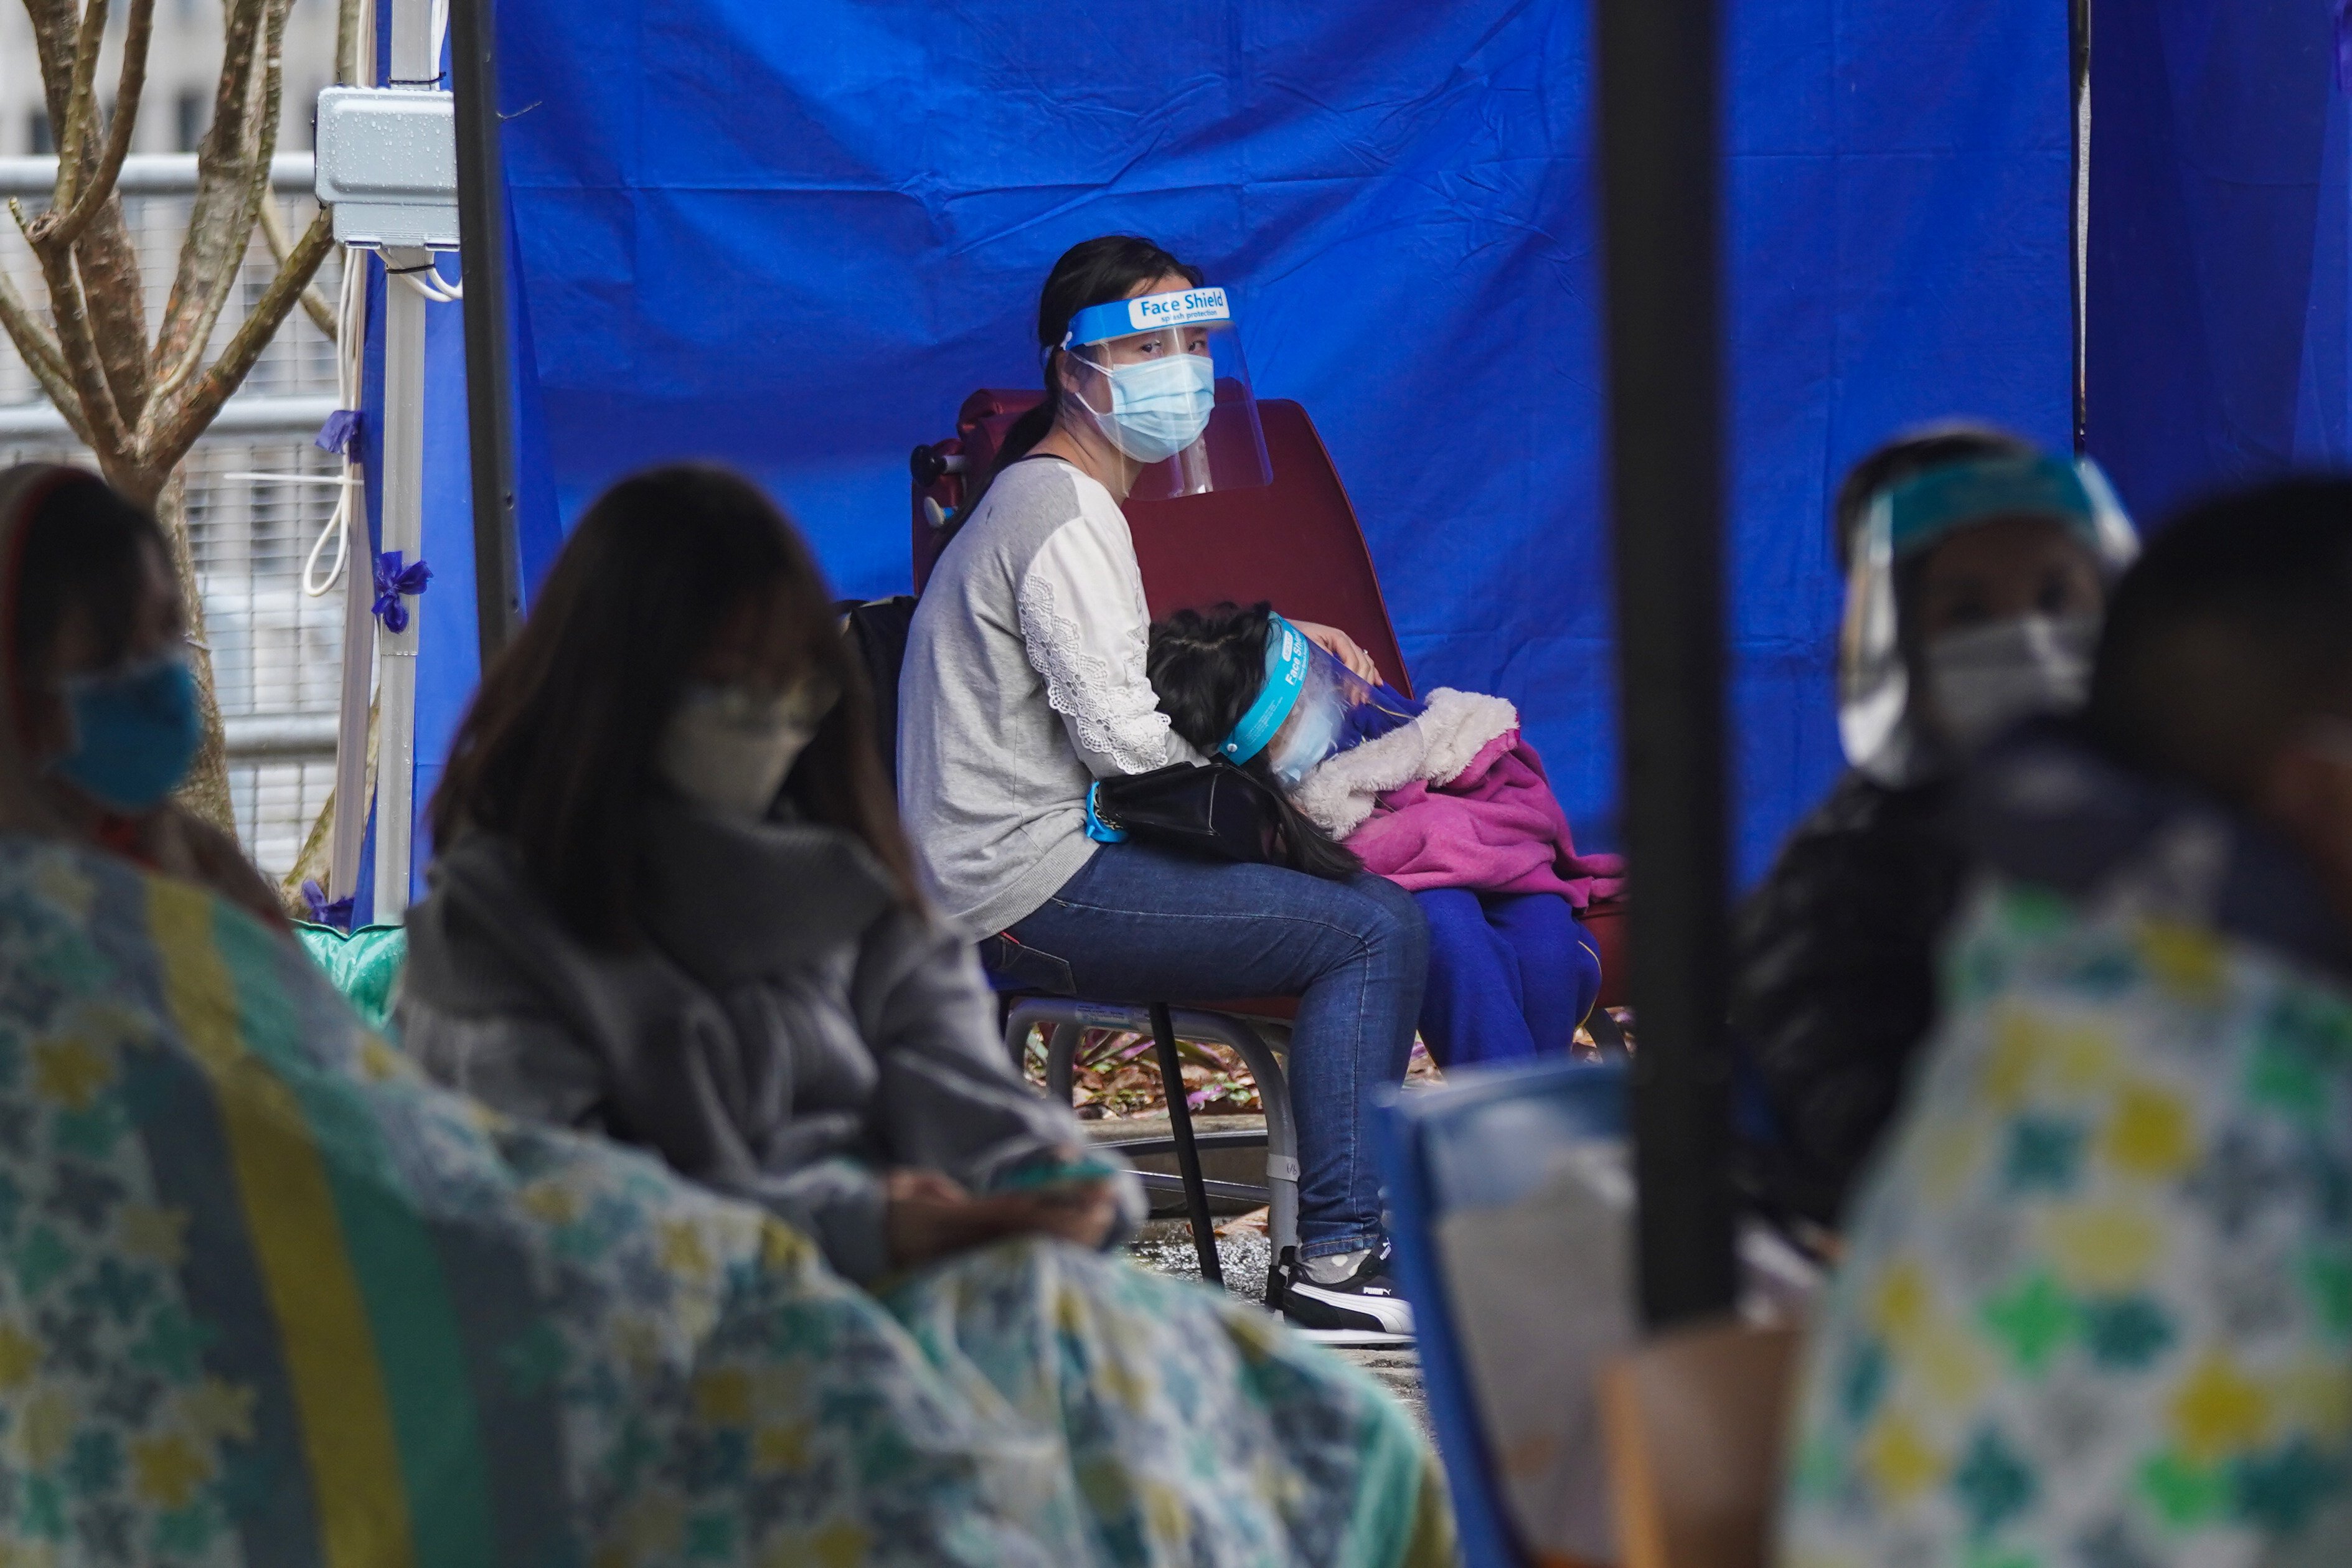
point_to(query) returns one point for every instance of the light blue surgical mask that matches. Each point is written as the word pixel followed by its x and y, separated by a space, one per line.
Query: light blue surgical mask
pixel 1158 407
pixel 135 732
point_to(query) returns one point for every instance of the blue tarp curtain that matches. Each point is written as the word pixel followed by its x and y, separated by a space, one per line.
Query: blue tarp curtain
pixel 2220 200
pixel 794 237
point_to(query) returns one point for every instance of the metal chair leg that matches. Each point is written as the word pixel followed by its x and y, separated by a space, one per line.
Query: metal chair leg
pixel 1188 1155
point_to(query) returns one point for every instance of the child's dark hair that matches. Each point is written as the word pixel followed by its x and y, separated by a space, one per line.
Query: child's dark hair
pixel 83 548
pixel 1091 272
pixel 1208 667
pixel 2229 636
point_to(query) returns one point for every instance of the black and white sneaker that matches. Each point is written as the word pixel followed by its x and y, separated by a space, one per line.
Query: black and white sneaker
pixel 1363 1308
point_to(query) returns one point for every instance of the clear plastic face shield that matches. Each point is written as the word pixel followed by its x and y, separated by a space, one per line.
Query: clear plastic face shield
pixel 1310 708
pixel 1899 728
pixel 1161 376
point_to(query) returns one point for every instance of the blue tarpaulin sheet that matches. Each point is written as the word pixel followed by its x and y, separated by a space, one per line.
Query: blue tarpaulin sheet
pixel 2221 207
pixel 794 237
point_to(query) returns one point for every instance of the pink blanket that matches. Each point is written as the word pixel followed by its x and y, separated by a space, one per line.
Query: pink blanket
pixel 1496 828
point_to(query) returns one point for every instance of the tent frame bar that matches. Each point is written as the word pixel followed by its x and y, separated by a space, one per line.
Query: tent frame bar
pixel 1658 101
pixel 489 381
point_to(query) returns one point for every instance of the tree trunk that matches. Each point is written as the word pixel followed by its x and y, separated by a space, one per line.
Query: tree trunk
pixel 206 793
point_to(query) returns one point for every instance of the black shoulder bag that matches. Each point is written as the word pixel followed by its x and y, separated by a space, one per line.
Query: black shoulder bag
pixel 1218 813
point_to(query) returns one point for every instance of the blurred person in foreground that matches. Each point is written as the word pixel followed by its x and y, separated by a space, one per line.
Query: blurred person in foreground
pixel 671 906
pixel 2096 1304
pixel 107 708
pixel 274 1298
pixel 1976 573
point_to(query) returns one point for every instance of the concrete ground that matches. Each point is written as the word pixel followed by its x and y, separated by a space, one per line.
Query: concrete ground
pixel 1166 1245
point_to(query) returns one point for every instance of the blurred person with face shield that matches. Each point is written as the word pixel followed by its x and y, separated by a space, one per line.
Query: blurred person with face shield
pixel 1976 573
pixel 2095 1300
pixel 1025 683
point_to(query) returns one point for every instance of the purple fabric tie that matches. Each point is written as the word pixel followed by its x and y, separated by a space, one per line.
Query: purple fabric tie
pixel 340 434
pixel 2344 46
pixel 393 580
pixel 324 911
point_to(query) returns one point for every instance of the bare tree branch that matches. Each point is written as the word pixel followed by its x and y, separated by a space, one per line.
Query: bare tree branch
pixel 41 356
pixel 347 44
pixel 315 304
pixel 79 350
pixel 100 183
pixel 81 103
pixel 174 433
pixel 115 288
pixel 55 23
pixel 112 290
pixel 220 222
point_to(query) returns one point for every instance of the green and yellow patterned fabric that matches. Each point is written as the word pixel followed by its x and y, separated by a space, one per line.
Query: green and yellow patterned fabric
pixel 265 1296
pixel 2097 1310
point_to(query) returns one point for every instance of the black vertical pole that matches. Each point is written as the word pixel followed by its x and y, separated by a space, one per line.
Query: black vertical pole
pixel 1658 134
pixel 490 402
pixel 2078 211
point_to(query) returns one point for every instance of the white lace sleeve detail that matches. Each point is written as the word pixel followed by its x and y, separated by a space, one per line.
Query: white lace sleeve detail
pixel 1082 626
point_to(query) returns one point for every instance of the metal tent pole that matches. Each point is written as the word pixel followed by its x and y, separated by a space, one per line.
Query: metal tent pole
pixel 1658 104
pixel 489 413
pixel 348 843
pixel 404 513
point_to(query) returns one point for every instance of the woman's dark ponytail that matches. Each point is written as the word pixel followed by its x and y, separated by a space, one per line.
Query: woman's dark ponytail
pixel 1091 272
pixel 1207 667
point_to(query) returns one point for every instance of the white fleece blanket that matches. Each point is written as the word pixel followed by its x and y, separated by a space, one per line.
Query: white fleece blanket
pixel 1339 794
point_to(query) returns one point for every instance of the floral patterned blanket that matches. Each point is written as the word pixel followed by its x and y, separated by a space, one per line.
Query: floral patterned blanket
pixel 267 1296
pixel 2096 1310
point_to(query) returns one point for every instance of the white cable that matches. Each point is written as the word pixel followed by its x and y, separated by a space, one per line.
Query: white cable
pixel 432 286
pixel 351 349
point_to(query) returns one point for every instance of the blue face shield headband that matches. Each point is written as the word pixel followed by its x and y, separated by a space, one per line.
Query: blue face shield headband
pixel 1286 677
pixel 1923 509
pixel 1151 313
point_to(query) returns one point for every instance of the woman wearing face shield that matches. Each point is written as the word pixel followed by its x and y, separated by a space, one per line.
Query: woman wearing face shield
pixel 1976 576
pixel 1025 682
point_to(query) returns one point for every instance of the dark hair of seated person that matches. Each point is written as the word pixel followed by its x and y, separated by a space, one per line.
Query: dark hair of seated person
pixel 557 753
pixel 2229 636
pixel 1207 667
pixel 83 544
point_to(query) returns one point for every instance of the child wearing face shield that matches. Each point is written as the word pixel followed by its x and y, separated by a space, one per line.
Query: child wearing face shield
pixel 106 706
pixel 671 905
pixel 1441 797
pixel 1976 578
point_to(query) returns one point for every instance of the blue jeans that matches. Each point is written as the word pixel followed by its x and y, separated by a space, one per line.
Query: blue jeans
pixel 1137 925
pixel 1511 975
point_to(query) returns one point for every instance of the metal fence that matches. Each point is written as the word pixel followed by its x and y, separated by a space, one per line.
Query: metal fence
pixel 275 651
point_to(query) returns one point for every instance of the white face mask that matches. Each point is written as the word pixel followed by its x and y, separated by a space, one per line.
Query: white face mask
pixel 730 748
pixel 1987 678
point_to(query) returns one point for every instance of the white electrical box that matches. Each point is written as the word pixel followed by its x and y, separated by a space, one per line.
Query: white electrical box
pixel 388 166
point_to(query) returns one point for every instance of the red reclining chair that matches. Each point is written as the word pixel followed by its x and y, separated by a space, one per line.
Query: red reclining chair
pixel 1295 542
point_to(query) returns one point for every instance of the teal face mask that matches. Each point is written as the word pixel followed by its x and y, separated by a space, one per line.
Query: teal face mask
pixel 1158 407
pixel 136 730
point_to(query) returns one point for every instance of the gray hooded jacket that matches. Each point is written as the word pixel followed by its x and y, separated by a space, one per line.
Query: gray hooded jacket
pixel 787 1033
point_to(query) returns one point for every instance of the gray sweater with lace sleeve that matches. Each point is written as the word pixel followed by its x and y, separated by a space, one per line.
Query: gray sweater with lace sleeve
pixel 1024 683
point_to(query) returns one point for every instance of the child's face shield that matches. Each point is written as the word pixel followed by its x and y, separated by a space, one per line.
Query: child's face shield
pixel 1163 378
pixel 1879 717
pixel 1310 708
